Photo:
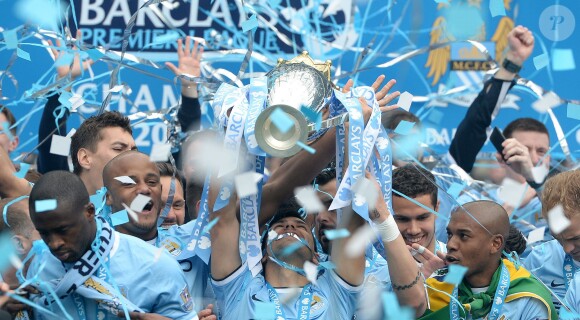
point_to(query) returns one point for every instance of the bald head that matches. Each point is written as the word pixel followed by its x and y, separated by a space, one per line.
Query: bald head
pixel 490 215
pixel 120 160
pixel 16 217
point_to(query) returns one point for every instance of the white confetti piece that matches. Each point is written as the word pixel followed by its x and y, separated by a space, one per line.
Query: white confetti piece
pixel 71 133
pixel 536 235
pixel 548 101
pixel 511 192
pixel 60 145
pixel 358 242
pixel 160 152
pixel 131 213
pixel 16 262
pixel 311 271
pixel 76 101
pixel 539 173
pixel 557 220
pixel 115 89
pixel 272 235
pixel 125 179
pixel 405 100
pixel 139 202
pixel 365 190
pixel 246 183
pixel 307 198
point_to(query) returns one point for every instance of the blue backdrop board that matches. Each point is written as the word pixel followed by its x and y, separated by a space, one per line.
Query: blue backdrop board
pixel 362 38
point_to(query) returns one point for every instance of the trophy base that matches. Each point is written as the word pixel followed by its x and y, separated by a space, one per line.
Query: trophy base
pixel 275 142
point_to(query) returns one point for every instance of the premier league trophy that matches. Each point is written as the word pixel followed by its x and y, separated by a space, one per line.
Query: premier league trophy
pixel 292 85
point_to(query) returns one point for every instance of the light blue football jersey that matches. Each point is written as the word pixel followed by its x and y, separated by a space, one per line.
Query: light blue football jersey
pixel 239 295
pixel 151 280
pixel 573 295
pixel 546 262
pixel 175 241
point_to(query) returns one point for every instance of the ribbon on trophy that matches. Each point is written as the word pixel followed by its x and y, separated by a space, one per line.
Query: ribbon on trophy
pixel 236 101
pixel 361 143
pixel 249 240
pixel 199 242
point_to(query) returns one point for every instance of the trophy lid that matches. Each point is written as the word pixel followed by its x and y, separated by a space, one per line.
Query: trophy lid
pixel 304 57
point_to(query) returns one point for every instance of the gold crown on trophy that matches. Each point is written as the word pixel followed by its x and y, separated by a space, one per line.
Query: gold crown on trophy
pixel 304 57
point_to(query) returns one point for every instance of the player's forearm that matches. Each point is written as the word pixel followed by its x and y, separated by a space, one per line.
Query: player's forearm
pixel 350 267
pixel 405 276
pixel 297 171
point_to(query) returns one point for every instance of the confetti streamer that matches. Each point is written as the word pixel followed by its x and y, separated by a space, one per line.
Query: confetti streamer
pixel 281 120
pixel 563 60
pixel 45 205
pixel 455 274
pixel 404 127
pixel 336 234
pixel 541 61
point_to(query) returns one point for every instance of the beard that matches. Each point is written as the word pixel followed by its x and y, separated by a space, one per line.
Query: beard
pixel 138 227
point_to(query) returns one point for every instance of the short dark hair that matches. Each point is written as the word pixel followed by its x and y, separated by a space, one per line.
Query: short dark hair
pixel 515 241
pixel 325 176
pixel 193 192
pixel 414 181
pixel 10 118
pixel 17 218
pixel 168 170
pixel 89 133
pixel 66 188
pixel 32 175
pixel 524 124
pixel 391 119
pixel 289 208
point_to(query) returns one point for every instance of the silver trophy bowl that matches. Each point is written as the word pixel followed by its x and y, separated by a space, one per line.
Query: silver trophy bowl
pixel 290 87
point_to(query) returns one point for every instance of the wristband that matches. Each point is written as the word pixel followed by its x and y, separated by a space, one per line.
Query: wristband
pixel 510 66
pixel 388 229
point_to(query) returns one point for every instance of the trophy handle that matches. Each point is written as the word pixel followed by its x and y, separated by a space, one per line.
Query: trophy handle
pixel 275 142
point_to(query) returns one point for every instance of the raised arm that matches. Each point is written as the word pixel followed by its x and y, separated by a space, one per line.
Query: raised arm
pixel 471 133
pixel 188 62
pixel 406 279
pixel 225 252
pixel 47 161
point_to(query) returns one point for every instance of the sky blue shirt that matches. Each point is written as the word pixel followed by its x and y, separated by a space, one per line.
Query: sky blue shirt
pixel 175 240
pixel 150 279
pixel 239 294
pixel 573 295
pixel 546 261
